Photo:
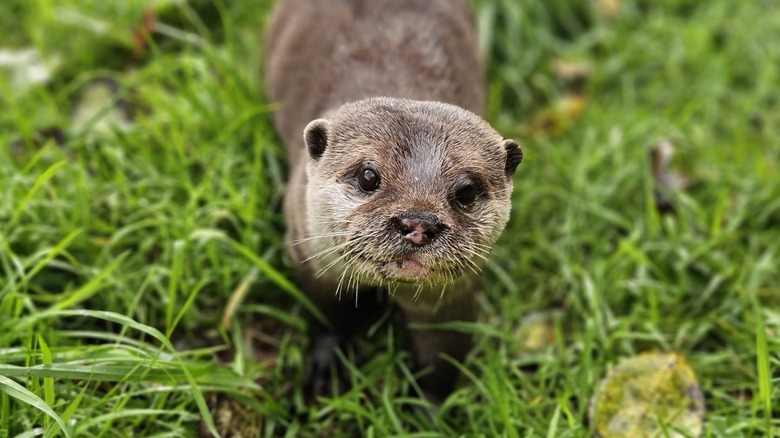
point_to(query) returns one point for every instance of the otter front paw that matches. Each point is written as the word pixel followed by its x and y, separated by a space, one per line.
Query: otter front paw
pixel 326 375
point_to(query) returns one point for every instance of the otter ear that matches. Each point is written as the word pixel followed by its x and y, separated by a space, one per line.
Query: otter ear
pixel 514 156
pixel 316 137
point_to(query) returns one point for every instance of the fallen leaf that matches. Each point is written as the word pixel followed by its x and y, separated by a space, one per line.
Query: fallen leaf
pixel 141 33
pixel 231 418
pixel 651 395
pixel 236 298
pixel 535 332
pixel 100 109
pixel 558 117
pixel 26 68
pixel 573 73
pixel 665 180
pixel 608 8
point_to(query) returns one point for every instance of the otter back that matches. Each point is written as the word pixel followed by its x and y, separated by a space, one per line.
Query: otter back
pixel 320 54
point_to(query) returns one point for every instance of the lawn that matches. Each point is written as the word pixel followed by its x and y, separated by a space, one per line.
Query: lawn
pixel 142 261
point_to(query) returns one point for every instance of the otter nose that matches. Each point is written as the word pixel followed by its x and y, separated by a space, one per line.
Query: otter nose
pixel 418 228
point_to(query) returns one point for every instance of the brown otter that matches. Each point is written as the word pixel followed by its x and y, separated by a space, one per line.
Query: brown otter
pixel 395 183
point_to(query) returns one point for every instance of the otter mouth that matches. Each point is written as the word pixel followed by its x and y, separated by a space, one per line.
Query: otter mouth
pixel 407 269
pixel 404 270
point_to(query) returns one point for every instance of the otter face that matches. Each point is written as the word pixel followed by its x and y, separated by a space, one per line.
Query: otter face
pixel 405 191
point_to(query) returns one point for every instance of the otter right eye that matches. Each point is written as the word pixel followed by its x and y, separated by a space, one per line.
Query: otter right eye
pixel 467 195
pixel 368 180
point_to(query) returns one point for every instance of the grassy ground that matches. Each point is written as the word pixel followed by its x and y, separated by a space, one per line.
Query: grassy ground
pixel 131 258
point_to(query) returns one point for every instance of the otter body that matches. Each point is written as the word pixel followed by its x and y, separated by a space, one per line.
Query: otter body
pixel 396 186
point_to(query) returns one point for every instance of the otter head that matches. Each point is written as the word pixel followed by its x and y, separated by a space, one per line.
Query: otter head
pixel 406 191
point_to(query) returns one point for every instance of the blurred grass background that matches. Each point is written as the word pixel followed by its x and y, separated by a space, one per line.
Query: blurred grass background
pixel 141 239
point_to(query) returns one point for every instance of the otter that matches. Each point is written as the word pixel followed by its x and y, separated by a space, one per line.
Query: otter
pixel 396 186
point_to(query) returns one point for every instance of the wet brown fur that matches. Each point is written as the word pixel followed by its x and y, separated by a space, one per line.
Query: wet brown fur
pixel 326 62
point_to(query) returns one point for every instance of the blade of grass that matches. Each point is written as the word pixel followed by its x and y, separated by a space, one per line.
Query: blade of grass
pixel 762 363
pixel 280 280
pixel 69 411
pixel 173 282
pixel 112 370
pixel 48 382
pixel 42 179
pixel 97 314
pixel 23 395
pixel 236 298
pixel 101 419
pixel 50 254
pixel 552 429
pixel 5 411
pixel 88 289
pixel 187 304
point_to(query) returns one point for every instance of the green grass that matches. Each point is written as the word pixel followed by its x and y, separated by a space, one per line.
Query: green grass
pixel 120 251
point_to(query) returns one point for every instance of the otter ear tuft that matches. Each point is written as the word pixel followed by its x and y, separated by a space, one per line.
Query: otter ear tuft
pixel 514 156
pixel 316 137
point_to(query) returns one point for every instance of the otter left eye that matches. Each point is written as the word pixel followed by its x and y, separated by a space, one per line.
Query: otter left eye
pixel 368 180
pixel 467 195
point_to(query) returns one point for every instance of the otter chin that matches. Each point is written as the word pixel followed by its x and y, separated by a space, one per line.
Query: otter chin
pixel 406 271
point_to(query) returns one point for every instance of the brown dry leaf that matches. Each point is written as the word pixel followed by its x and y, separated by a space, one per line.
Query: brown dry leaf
pixel 570 70
pixel 231 418
pixel 236 298
pixel 660 157
pixel 100 110
pixel 141 32
pixel 573 73
pixel 558 117
pixel 608 8
pixel 651 395
pixel 665 179
pixel 535 332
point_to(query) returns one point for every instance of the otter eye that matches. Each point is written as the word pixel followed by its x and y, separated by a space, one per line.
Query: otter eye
pixel 466 195
pixel 368 180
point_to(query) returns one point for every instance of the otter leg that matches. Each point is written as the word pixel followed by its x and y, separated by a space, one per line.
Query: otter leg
pixel 326 375
pixel 431 346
